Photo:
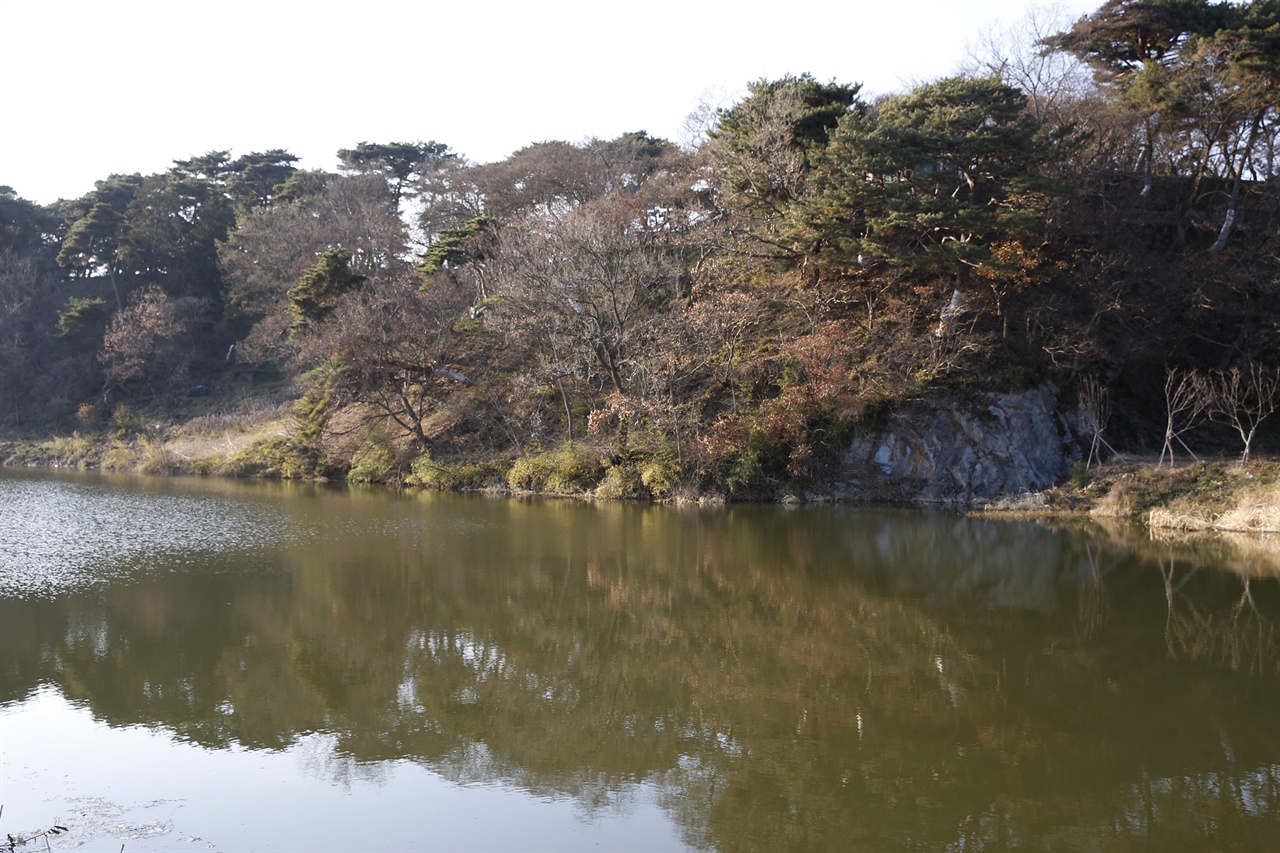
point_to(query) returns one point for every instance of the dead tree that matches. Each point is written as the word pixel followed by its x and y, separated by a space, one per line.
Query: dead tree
pixel 1187 396
pixel 1244 399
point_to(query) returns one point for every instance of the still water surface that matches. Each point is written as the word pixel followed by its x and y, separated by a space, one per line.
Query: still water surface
pixel 218 665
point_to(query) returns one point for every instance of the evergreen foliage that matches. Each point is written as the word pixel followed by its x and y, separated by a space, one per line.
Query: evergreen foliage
pixel 926 181
pixel 316 294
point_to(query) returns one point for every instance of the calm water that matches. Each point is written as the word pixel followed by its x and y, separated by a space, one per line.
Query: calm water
pixel 214 665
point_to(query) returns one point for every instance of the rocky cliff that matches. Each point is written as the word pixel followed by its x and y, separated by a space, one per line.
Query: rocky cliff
pixel 949 450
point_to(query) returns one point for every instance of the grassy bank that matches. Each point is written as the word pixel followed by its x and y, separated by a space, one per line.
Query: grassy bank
pixel 1212 495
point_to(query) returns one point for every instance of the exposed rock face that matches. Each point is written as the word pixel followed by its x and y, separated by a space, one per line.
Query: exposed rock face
pixel 949 450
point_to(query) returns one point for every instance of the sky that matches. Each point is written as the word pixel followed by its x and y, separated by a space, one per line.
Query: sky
pixel 91 89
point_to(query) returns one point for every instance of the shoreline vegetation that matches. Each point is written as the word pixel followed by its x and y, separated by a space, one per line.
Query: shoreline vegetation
pixel 1087 216
pixel 1215 495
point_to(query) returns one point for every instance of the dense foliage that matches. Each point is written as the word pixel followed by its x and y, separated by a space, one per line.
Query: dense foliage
pixel 719 316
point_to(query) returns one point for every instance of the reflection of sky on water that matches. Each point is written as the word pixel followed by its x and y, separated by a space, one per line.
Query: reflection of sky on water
pixel 138 786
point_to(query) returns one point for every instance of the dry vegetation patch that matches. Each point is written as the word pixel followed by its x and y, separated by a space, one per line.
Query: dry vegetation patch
pixel 1217 495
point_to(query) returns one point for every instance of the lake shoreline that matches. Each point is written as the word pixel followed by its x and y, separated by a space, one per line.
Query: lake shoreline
pixel 1210 495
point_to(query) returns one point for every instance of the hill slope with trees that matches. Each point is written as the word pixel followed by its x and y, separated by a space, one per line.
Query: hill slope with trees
pixel 1097 210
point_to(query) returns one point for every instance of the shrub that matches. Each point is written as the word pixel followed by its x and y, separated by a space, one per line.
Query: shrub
pixel 660 475
pixel 87 416
pixel 372 463
pixel 73 452
pixel 124 420
pixel 569 469
pixel 278 456
pixel 429 474
pixel 622 481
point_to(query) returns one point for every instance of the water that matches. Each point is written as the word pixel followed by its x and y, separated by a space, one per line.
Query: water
pixel 217 665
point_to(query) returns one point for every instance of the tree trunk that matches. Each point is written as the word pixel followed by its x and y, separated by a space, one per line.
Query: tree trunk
pixel 1147 157
pixel 1229 221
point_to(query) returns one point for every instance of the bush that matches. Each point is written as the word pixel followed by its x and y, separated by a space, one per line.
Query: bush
pixel 124 420
pixel 73 452
pixel 87 416
pixel 372 463
pixel 278 456
pixel 563 471
pixel 622 481
pixel 660 475
pixel 428 474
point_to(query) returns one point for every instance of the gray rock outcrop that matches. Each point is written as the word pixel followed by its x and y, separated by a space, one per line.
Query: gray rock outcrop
pixel 949 450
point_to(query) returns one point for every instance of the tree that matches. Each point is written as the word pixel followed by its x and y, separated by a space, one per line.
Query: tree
pixel 549 176
pixel 763 149
pixel 454 246
pixel 1054 81
pixel 149 342
pixel 1131 45
pixel 627 161
pixel 1187 396
pixel 26 228
pixel 448 198
pixel 396 162
pixel 316 293
pixel 273 247
pixel 357 214
pixel 256 177
pixel 1093 410
pixel 1244 399
pixel 389 343
pixel 455 249
pixel 25 306
pixel 1242 78
pixel 925 182
pixel 173 225
pixel 267 253
pixel 96 238
pixel 583 284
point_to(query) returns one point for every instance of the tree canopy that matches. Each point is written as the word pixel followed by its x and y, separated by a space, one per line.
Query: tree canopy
pixel 731 309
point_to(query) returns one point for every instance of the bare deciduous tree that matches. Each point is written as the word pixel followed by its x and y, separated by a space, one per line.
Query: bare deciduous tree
pixel 1094 410
pixel 390 343
pixel 1244 399
pixel 1054 81
pixel 149 341
pixel 1186 400
pixel 584 284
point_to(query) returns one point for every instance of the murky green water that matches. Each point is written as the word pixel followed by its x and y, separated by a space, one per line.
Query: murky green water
pixel 197 665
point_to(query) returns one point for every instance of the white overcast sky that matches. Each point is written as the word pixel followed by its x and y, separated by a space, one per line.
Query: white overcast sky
pixel 90 89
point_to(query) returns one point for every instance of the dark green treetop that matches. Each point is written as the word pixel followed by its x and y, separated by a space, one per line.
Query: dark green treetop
pixel 924 182
pixel 398 162
pixel 25 226
pixel 762 148
pixel 454 245
pixel 316 294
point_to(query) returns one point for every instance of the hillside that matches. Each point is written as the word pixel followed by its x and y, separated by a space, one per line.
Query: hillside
pixel 635 319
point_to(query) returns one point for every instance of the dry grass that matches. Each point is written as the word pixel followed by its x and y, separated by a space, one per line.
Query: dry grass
pixel 1254 511
pixel 1199 496
pixel 225 434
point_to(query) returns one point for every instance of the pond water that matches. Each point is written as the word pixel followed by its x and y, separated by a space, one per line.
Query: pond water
pixel 221 665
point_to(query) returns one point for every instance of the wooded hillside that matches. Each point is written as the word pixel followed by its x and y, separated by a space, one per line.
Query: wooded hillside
pixel 1096 206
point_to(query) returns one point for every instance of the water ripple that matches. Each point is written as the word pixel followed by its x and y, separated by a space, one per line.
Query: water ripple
pixel 58 534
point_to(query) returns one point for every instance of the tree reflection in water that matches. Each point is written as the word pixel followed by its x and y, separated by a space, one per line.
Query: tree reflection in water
pixel 824 679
